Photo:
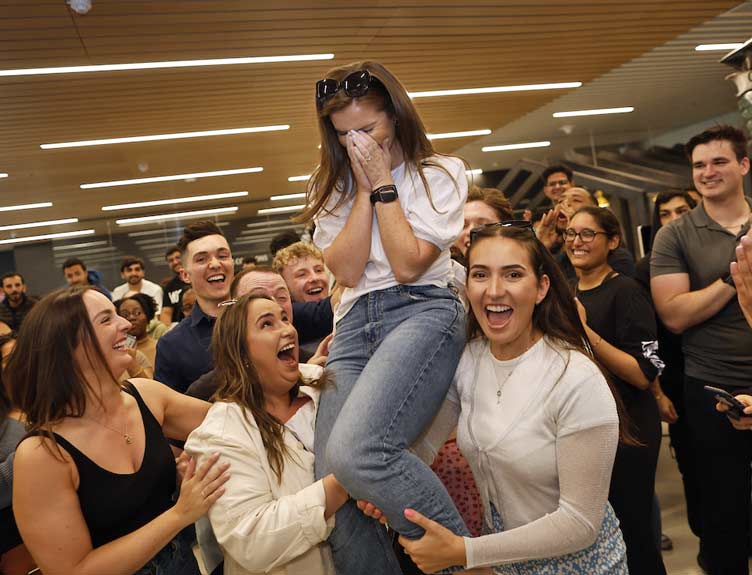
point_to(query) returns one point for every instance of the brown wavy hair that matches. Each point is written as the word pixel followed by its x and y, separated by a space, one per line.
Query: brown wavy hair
pixel 238 381
pixel 556 315
pixel 45 382
pixel 387 94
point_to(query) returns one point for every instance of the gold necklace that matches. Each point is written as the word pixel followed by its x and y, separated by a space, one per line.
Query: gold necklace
pixel 500 386
pixel 128 438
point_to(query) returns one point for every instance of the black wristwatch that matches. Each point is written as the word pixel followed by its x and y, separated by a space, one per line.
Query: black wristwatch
pixel 384 194
pixel 728 279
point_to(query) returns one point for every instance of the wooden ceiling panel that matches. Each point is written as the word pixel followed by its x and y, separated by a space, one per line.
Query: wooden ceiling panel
pixel 429 44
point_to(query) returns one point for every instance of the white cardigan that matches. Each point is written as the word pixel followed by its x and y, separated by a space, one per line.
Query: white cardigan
pixel 264 526
pixel 542 455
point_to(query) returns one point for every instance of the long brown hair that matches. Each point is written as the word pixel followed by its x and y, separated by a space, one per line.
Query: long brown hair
pixel 238 381
pixel 387 94
pixel 45 381
pixel 556 315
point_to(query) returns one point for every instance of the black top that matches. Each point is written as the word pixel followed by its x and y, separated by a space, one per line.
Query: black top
pixel 115 504
pixel 313 320
pixel 15 316
pixel 173 296
pixel 619 311
pixel 183 353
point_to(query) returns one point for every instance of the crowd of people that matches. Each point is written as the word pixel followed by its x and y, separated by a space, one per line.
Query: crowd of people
pixel 430 385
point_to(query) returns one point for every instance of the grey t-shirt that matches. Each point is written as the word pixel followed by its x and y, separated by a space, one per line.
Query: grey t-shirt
pixel 718 350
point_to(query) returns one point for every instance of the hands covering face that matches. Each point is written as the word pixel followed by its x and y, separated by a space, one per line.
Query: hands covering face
pixel 371 163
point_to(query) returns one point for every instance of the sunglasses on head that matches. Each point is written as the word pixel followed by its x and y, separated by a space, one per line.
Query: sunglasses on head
pixel 354 85
pixel 522 224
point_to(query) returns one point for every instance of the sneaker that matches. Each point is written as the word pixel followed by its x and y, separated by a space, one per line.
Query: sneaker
pixel 666 543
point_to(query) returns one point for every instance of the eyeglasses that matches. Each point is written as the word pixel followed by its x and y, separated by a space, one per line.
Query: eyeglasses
pixel 227 303
pixel 586 235
pixel 522 224
pixel 354 85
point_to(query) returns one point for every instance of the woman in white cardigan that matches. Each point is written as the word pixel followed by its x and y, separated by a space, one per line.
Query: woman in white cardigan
pixel 536 421
pixel 274 517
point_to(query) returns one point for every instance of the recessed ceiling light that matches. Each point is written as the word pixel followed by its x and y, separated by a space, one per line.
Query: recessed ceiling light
pixel 176 216
pixel 595 112
pixel 25 206
pixel 288 197
pixel 515 146
pixel 40 224
pixel 465 134
pixel 475 172
pixel 712 47
pixel 48 236
pixel 281 210
pixel 174 201
pixel 299 178
pixel 157 137
pixel 169 64
pixel 170 178
pixel 79 246
pixel 495 89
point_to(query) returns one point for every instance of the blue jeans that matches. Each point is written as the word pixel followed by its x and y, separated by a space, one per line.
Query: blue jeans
pixel 393 358
pixel 175 558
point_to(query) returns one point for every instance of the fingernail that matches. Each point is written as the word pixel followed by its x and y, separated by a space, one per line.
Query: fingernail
pixel 409 513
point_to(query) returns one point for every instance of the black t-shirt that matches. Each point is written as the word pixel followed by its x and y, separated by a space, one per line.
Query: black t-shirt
pixel 173 296
pixel 620 312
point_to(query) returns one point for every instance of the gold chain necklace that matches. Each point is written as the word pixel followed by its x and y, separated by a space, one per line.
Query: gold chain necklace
pixel 128 438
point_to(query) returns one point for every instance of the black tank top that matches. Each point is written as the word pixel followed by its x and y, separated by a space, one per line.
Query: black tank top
pixel 115 504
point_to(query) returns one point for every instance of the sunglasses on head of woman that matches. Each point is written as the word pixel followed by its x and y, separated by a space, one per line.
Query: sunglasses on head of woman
pixel 354 85
pixel 522 224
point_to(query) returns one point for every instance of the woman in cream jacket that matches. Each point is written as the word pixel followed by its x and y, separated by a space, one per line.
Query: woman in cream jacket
pixel 274 518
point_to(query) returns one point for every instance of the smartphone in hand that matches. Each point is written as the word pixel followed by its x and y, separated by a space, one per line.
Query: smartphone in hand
pixel 736 408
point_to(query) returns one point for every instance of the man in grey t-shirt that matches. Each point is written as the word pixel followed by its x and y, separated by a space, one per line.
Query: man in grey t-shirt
pixel 694 295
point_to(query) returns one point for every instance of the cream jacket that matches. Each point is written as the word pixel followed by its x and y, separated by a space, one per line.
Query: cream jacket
pixel 264 526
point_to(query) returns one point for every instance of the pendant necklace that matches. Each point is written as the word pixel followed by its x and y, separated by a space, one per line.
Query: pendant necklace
pixel 128 438
pixel 500 385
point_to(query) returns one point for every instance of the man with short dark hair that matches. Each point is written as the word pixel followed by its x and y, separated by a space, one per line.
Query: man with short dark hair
pixel 76 274
pixel 556 180
pixel 694 295
pixel 174 289
pixel 16 304
pixel 282 240
pixel 249 262
pixel 183 352
pixel 132 270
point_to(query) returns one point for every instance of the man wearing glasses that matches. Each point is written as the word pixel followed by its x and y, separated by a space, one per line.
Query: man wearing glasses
pixel 556 180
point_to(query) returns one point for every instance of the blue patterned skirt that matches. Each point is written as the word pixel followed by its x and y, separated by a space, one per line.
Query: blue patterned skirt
pixel 607 556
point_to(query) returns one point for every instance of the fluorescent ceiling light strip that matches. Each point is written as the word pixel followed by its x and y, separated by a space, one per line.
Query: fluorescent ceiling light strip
pixel 495 89
pixel 265 231
pixel 153 241
pixel 281 209
pixel 158 137
pixel 270 222
pixel 712 47
pixel 176 216
pixel 522 146
pixel 25 206
pixel 288 197
pixel 167 64
pixel 40 224
pixel 3 175
pixel 173 230
pixel 77 246
pixel 299 178
pixel 466 134
pixel 197 175
pixel 48 236
pixel 174 201
pixel 475 172
pixel 595 112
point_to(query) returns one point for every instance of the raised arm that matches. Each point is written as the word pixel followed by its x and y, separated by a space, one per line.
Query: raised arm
pixel 178 413
pixel 49 517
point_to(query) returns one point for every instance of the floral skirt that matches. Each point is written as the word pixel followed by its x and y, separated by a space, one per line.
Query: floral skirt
pixel 607 556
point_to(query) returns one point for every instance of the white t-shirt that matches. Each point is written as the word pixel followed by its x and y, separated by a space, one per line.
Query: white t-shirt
pixel 147 287
pixel 440 226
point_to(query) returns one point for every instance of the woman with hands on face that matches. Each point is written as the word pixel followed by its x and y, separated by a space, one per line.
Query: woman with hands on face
pixel 387 209
pixel 535 419
pixel 94 478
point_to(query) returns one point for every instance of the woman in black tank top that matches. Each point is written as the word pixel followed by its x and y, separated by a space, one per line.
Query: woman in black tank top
pixel 94 478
